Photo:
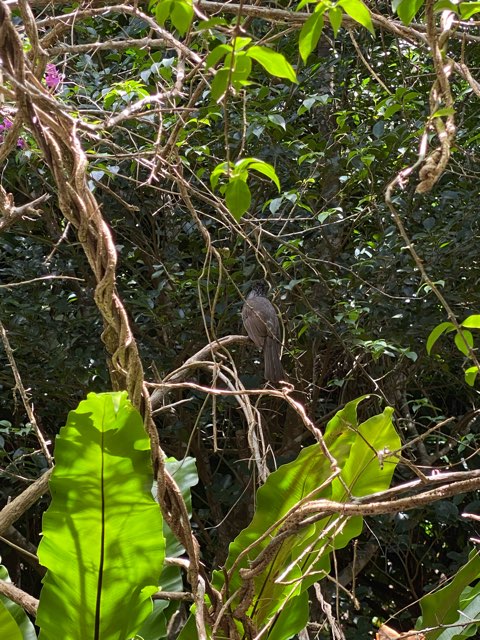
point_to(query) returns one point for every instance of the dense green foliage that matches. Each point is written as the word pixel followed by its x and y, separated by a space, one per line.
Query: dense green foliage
pixel 268 153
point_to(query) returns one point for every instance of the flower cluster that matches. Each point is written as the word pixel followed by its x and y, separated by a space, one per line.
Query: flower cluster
pixel 6 124
pixel 52 76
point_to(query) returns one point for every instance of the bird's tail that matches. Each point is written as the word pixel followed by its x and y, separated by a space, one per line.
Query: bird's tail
pixel 273 367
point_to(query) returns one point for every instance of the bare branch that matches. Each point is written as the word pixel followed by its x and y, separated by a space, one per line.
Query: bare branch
pixel 13 593
pixel 17 507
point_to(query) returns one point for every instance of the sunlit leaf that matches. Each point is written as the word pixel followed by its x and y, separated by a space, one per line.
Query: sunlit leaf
pixel 460 342
pixel 219 170
pixel 446 5
pixel 358 11
pixel 217 54
pixel 275 63
pixel 182 15
pixel 468 9
pixel 241 70
pixel 267 170
pixel 446 111
pixel 440 329
pixel 162 10
pixel 472 322
pixel 335 15
pixel 407 9
pixel 240 43
pixel 471 375
pixel 361 451
pixel 237 197
pixel 102 539
pixel 8 625
pixel 310 35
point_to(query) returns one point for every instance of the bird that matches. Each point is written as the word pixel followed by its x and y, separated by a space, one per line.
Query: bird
pixel 263 328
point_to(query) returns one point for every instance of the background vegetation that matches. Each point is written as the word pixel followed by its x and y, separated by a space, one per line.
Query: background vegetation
pixel 158 112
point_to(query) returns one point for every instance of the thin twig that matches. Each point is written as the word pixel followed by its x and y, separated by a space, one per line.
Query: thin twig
pixel 23 395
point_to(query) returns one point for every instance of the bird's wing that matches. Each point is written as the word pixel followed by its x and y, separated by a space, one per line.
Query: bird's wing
pixel 260 320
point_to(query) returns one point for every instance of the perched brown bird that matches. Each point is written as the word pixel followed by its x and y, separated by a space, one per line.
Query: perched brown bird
pixel 261 322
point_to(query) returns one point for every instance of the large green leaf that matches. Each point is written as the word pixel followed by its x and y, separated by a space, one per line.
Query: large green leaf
pixel 8 625
pixel 446 605
pixel 14 622
pixel 362 452
pixel 102 534
pixel 184 472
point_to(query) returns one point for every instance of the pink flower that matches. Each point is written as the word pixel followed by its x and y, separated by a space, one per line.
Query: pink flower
pixel 6 124
pixel 52 76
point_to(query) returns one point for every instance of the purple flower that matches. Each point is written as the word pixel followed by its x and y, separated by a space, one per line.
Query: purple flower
pixel 52 76
pixel 6 124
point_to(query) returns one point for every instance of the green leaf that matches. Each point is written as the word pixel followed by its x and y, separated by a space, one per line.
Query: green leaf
pixel 303 3
pixel 335 17
pixel 369 467
pixel 8 625
pixel 212 22
pixel 460 342
pixel 471 375
pixel 155 626
pixel 162 10
pixel 240 43
pixel 220 170
pixel 217 54
pixel 291 619
pixel 447 111
pixel 446 5
pixel 184 472
pixel 407 9
pixel 310 35
pixel 357 10
pixel 219 84
pixel 241 70
pixel 12 612
pixel 472 322
pixel 468 9
pixel 361 451
pixel 275 63
pixel 443 606
pixel 266 169
pixel 440 329
pixel 237 197
pixel 102 539
pixel 182 15
pixel 469 610
pixel 391 110
pixel 278 120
